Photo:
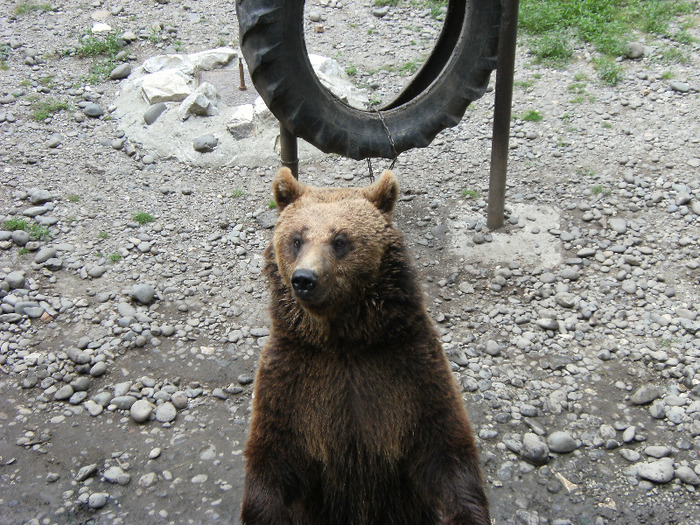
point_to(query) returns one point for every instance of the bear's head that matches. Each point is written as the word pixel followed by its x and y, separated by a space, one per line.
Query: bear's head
pixel 329 244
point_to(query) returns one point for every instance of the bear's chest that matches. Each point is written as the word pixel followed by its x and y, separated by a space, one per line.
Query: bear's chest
pixel 353 411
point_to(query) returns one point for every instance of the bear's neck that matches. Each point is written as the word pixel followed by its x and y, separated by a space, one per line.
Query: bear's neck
pixel 388 311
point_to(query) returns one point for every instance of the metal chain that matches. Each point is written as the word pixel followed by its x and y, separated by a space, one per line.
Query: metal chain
pixel 393 148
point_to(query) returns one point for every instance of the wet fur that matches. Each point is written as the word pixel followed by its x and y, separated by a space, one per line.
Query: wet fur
pixel 357 419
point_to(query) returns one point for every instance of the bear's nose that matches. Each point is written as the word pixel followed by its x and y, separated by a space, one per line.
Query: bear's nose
pixel 304 281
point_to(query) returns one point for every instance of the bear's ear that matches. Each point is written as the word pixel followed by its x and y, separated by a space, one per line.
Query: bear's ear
pixel 383 193
pixel 286 188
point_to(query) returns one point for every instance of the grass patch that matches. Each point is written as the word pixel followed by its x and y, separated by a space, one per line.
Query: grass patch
pixel 4 55
pixel 92 46
pixel 553 49
pixel 39 233
pixel 532 116
pixel 470 194
pixel 382 3
pixel 607 25
pixel 73 198
pixel 667 75
pixel 103 235
pixel 609 71
pixel 114 257
pixel 237 193
pixel 24 8
pixel 351 71
pixel 23 251
pixel 409 68
pixel 673 55
pixel 143 218
pixel 272 204
pixel 45 109
pixel 15 224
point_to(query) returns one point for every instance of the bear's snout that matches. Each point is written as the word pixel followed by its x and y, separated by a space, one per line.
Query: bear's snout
pixel 304 282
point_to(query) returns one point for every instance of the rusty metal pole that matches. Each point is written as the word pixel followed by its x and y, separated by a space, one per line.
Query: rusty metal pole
pixel 288 151
pixel 501 113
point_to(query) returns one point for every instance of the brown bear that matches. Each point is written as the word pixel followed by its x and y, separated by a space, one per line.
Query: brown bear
pixel 357 419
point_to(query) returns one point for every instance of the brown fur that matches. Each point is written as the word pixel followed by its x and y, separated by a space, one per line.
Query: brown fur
pixel 357 419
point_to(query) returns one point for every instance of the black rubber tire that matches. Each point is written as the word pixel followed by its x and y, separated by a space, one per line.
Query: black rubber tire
pixel 456 73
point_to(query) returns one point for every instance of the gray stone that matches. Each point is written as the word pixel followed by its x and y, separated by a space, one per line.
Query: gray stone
pixel 44 255
pixel 54 141
pixel 93 110
pixel 39 196
pixel 635 50
pixel 152 113
pixel 143 293
pixel 681 87
pixel 98 369
pixel 121 71
pixel 141 410
pixel 534 450
pixel 20 237
pixel 687 475
pixel 86 472
pixel 123 402
pixel 618 225
pixel 205 143
pixel 561 442
pixel 98 500
pixel 657 451
pixel 15 279
pixel 34 211
pixel 166 412
pixel 63 393
pixel 117 475
pixel 657 471
pixel 645 394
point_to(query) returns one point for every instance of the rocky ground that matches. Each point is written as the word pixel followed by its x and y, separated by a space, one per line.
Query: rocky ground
pixel 128 347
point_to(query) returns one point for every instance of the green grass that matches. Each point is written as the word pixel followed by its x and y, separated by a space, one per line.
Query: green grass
pixel 409 68
pixel 470 194
pixel 36 232
pixel 272 204
pixel 23 251
pixel 667 75
pixel 237 193
pixel 15 224
pixel 4 55
pixel 607 25
pixel 73 198
pixel 92 46
pixel 382 3
pixel 114 257
pixel 532 116
pixel 41 110
pixel 609 71
pixel 39 233
pixel 673 55
pixel 99 70
pixel 143 218
pixel 103 235
pixel 351 70
pixel 24 8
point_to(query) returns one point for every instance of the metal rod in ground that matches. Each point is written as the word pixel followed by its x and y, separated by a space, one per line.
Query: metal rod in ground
pixel 288 151
pixel 501 113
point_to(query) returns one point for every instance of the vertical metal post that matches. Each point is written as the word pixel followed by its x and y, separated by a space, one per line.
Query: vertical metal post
pixel 501 113
pixel 288 151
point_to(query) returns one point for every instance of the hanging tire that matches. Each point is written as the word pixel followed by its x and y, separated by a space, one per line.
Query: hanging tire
pixel 456 73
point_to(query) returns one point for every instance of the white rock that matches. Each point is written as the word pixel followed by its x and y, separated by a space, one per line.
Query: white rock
pixel 101 27
pixel 334 78
pixel 241 124
pixel 191 64
pixel 165 86
pixel 202 101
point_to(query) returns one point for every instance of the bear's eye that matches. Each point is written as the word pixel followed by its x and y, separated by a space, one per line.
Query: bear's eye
pixel 296 245
pixel 341 246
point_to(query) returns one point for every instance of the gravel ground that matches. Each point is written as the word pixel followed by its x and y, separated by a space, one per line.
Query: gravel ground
pixel 128 350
